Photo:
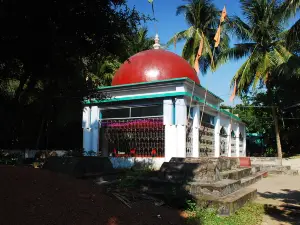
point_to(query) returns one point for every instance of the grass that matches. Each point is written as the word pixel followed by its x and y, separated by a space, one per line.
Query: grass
pixel 250 214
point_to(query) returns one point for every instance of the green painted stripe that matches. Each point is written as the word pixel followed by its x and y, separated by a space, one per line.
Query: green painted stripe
pixel 142 83
pixel 230 114
pixel 155 82
pixel 171 94
pixel 139 97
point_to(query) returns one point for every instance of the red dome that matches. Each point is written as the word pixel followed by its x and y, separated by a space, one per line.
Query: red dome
pixel 152 65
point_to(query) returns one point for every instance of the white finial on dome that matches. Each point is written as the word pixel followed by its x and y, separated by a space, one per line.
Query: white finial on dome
pixel 156 45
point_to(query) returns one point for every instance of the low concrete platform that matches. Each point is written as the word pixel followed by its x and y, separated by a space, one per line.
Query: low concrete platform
pixel 230 203
pixel 236 174
pixel 246 181
pixel 219 181
pixel 220 188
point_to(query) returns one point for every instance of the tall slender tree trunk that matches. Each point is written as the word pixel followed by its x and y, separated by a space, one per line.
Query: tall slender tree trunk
pixel 277 133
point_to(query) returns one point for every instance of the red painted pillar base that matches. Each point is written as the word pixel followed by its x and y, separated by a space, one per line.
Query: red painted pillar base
pixel 245 161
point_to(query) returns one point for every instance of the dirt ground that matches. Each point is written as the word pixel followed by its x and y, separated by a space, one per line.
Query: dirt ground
pixel 33 196
pixel 281 197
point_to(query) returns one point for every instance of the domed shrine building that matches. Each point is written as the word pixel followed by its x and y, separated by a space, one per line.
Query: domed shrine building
pixel 153 113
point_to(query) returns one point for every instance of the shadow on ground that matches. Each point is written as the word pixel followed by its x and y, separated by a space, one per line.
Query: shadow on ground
pixel 41 196
pixel 289 211
pixel 283 214
pixel 287 196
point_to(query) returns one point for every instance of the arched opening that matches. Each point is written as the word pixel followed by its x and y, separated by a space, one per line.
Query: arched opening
pixel 241 143
pixel 207 136
pixel 233 143
pixel 223 142
pixel 223 132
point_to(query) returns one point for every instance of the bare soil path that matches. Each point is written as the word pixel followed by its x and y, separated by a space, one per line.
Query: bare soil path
pixel 281 197
pixel 33 196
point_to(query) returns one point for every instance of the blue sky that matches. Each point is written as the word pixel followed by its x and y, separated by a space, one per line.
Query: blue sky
pixel 168 24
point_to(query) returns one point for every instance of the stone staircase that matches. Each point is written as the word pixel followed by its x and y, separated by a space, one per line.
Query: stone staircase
pixel 219 182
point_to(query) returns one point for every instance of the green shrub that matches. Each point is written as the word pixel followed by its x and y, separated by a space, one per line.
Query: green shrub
pixel 7 158
pixel 250 214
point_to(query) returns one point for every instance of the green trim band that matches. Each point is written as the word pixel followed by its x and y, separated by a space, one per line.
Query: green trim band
pixel 139 97
pixel 171 94
pixel 158 81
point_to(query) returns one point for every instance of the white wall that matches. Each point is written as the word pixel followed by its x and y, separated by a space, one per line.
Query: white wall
pixel 95 128
pixel 225 122
pixel 86 126
pixel 196 124
pixel 128 162
pixel 180 122
pixel 217 135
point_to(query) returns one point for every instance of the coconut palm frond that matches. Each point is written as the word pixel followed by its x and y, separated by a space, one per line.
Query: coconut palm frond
pixel 239 28
pixel 293 35
pixel 183 35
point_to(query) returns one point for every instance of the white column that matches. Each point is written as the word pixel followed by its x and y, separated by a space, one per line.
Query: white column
pixel 95 128
pixel 237 134
pixel 229 138
pixel 170 142
pixel 168 111
pixel 181 122
pixel 86 126
pixel 196 121
pixel 170 130
pixel 244 140
pixel 217 135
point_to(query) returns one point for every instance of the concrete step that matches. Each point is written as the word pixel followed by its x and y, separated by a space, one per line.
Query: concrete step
pixel 282 172
pixel 222 163
pixel 255 169
pixel 228 204
pixel 236 174
pixel 219 188
pixel 246 181
pixel 187 171
pixel 272 167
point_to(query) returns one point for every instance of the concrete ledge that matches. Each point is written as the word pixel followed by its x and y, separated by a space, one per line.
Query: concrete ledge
pixel 236 174
pixel 253 178
pixel 220 188
pixel 200 170
pixel 227 205
pixel 265 161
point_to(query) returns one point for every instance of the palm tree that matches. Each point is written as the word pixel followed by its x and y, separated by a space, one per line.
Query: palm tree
pixel 292 41
pixel 263 44
pixel 140 41
pixel 102 72
pixel 203 19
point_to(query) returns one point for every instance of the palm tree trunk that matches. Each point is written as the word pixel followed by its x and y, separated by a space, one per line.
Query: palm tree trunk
pixel 278 143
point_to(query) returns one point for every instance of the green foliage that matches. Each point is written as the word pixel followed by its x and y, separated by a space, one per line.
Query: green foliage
pixel 250 214
pixel 203 18
pixel 270 152
pixel 50 58
pixel 263 42
pixel 256 112
pixel 102 71
pixel 191 206
pixel 10 158
pixel 130 180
